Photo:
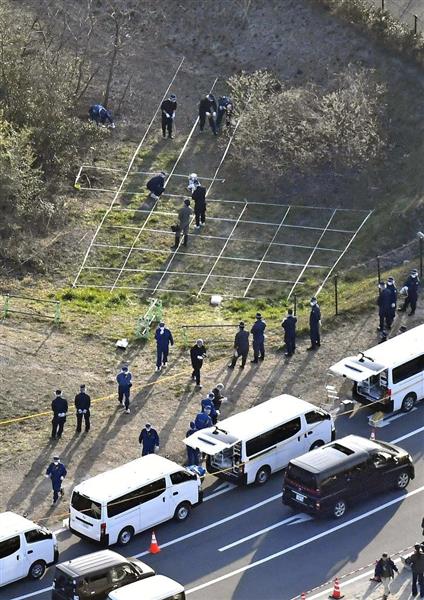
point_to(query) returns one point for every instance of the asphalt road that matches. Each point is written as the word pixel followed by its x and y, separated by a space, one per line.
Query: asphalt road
pixel 285 552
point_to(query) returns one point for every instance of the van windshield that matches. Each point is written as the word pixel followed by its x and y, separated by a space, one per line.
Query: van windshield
pixel 298 475
pixel 86 505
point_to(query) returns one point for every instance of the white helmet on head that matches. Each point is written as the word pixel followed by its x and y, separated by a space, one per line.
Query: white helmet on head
pixel 193 175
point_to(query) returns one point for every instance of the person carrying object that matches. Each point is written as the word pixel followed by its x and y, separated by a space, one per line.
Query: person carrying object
pixel 385 309
pixel 218 397
pixel 385 570
pixel 207 108
pixel 156 185
pixel 225 107
pixel 163 337
pixel 241 347
pixel 209 401
pixel 183 224
pixel 410 288
pixel 168 108
pixel 148 440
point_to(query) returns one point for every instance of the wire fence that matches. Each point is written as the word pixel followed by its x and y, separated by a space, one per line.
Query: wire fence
pixel 409 12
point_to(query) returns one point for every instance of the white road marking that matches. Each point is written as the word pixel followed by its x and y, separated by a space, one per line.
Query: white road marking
pixel 221 490
pixel 47 589
pixel 387 420
pixel 407 435
pixel 212 525
pixel 304 542
pixel 290 521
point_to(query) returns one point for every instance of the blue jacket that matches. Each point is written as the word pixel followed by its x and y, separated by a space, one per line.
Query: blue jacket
pixel 202 421
pixel 384 301
pixel 59 406
pixel 289 326
pixel 156 185
pixel 379 568
pixel 124 380
pixel 149 439
pixel 56 472
pixel 315 316
pixel 393 293
pixel 412 283
pixel 206 402
pixel 258 331
pixel 164 339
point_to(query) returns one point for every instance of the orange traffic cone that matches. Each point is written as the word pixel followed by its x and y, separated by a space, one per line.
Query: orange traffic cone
pixel 154 546
pixel 336 591
pixel 372 436
pixel 303 596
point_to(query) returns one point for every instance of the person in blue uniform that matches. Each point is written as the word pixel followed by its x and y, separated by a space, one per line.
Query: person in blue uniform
pixel 203 419
pixel 197 356
pixel 124 381
pixel 82 407
pixel 163 337
pixel 156 185
pixel 314 324
pixel 225 107
pixel 209 401
pixel 100 115
pixel 148 439
pixel 391 286
pixel 241 347
pixel 385 311
pixel 289 326
pixel 168 108
pixel 207 108
pixel 60 409
pixel 56 471
pixel 258 344
pixel 199 197
pixel 192 454
pixel 411 284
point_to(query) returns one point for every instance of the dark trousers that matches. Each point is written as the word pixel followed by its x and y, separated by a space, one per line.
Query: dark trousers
pixel 202 121
pixel 258 350
pixel 200 216
pixel 124 393
pixel 290 344
pixel 315 336
pixel 410 301
pixel 196 375
pixel 386 318
pixel 178 237
pixel 86 417
pixel 147 450
pixel 166 125
pixel 56 491
pixel 161 355
pixel 235 359
pixel 192 456
pixel 418 578
pixel 58 424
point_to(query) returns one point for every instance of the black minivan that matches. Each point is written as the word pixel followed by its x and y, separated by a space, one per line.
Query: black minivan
pixel 328 479
pixel 95 575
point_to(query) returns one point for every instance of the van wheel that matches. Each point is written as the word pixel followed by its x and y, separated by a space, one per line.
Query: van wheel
pixel 402 480
pixel 316 445
pixel 408 403
pixel 125 536
pixel 262 475
pixel 182 511
pixel 339 508
pixel 37 569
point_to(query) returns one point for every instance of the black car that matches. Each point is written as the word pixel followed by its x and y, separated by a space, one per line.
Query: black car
pixel 95 575
pixel 328 479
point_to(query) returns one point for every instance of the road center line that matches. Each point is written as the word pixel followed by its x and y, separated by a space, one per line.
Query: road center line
pixel 407 435
pixel 304 542
pixel 257 533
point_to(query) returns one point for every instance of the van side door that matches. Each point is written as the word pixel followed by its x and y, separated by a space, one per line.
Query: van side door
pixel 13 564
pixel 156 504
pixel 318 428
pixel 184 488
pixel 39 545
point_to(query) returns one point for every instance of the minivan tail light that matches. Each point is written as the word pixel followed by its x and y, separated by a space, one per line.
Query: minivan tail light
pixel 103 529
pixel 389 392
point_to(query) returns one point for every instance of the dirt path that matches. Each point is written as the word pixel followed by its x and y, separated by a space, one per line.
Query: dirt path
pixel 170 406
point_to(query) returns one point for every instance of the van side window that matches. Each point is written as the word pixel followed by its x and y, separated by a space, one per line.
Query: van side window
pixel 136 497
pixel 182 476
pixel 408 369
pixel 37 535
pixel 8 547
pixel 272 437
pixel 315 417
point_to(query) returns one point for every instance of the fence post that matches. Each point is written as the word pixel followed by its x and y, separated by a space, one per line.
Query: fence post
pixel 295 305
pixel 6 306
pixel 336 294
pixel 378 269
pixel 421 256
pixel 415 24
pixel 382 4
pixel 185 339
pixel 57 313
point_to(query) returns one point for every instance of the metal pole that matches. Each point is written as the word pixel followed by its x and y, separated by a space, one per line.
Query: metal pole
pixel 295 305
pixel 336 296
pixel 382 4
pixel 6 306
pixel 421 256
pixel 415 24
pixel 378 269
pixel 57 313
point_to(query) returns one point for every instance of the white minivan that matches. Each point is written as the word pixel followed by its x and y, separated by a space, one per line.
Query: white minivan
pixel 26 549
pixel 157 587
pixel 249 446
pixel 390 374
pixel 113 506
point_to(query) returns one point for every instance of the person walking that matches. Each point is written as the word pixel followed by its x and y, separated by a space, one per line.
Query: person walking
pixel 225 107
pixel 314 324
pixel 163 337
pixel 241 347
pixel 385 569
pixel 156 185
pixel 192 454
pixel 210 401
pixel 218 397
pixel 124 380
pixel 289 326
pixel 203 419
pixel 258 344
pixel 416 562
pixel 56 471
pixel 148 440
pixel 207 108
pixel 82 407
pixel 60 409
pixel 410 287
pixel 168 108
pixel 385 310
pixel 199 197
pixel 182 227
pixel 197 355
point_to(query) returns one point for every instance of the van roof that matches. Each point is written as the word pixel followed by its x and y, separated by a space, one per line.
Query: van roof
pixel 116 482
pixel 157 587
pixel 12 524
pixel 264 416
pixel 332 459
pixel 90 563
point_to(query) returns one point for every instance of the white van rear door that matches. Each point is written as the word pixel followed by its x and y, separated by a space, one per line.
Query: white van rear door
pixel 356 368
pixel 13 565
pixel 206 441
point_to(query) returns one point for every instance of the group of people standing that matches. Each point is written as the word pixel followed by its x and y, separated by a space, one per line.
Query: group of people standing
pixel 388 297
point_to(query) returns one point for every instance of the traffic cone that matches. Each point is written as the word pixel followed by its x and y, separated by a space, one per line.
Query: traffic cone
pixel 372 436
pixel 303 596
pixel 336 591
pixel 154 546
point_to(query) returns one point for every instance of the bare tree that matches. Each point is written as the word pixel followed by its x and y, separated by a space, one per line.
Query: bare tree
pixel 120 19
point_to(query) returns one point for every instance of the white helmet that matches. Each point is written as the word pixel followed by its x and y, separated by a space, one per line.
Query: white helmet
pixel 193 175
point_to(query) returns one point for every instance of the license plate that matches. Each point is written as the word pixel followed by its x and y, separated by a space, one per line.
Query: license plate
pixel 300 497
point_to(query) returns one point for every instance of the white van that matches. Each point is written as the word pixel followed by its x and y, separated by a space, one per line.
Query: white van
pixel 391 373
pixel 158 587
pixel 26 549
pixel 248 447
pixel 110 508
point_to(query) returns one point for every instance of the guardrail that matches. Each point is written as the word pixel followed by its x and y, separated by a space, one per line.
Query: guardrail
pixel 153 313
pixel 7 310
